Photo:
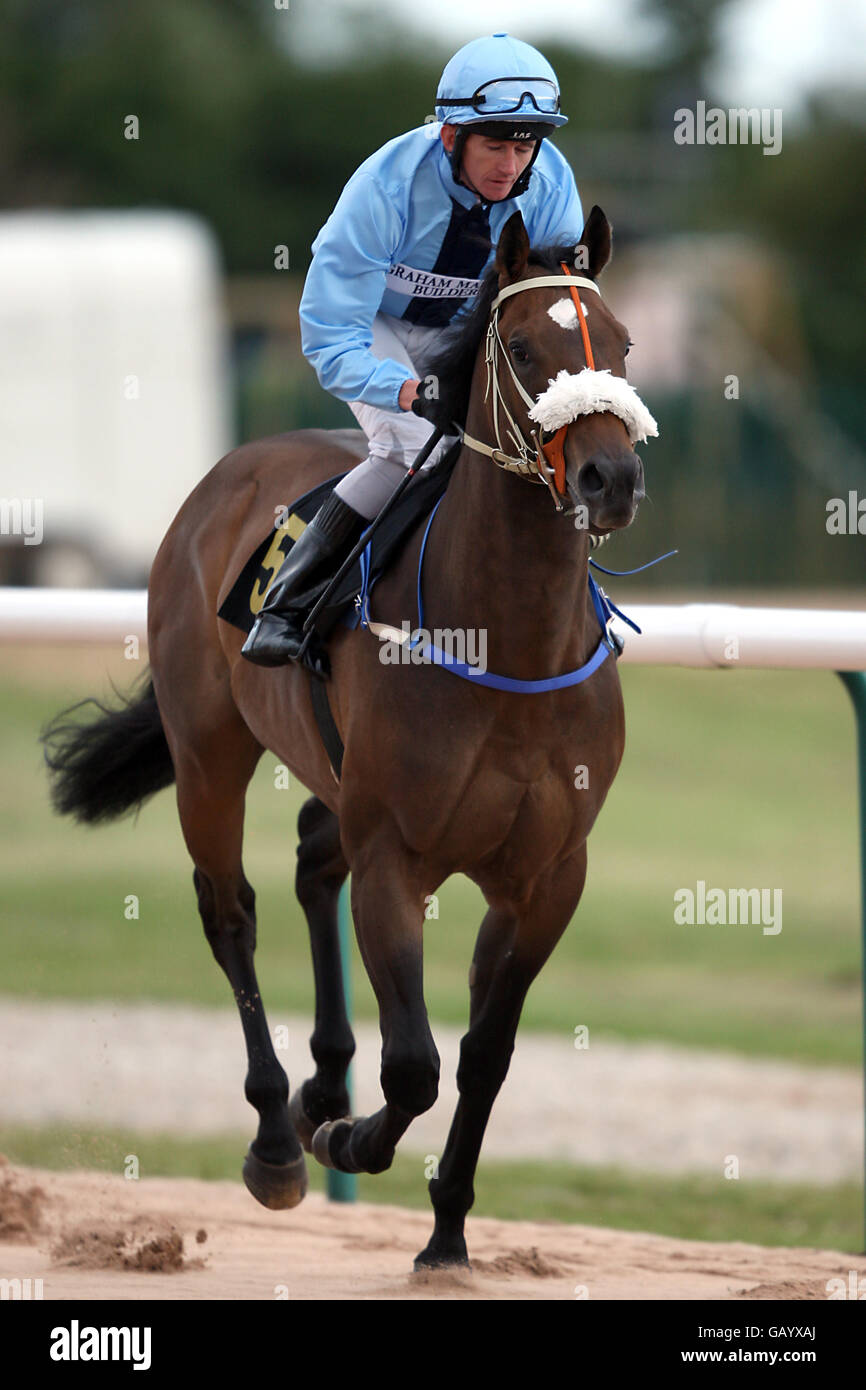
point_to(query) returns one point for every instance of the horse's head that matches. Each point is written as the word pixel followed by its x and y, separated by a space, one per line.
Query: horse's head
pixel 556 363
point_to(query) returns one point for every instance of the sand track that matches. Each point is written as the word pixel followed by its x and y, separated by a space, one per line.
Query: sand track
pixel 97 1236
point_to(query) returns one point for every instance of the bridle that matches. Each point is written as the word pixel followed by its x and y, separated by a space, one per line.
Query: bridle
pixel 543 461
pixel 567 397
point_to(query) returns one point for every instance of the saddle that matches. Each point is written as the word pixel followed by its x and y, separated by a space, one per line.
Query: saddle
pixel 248 593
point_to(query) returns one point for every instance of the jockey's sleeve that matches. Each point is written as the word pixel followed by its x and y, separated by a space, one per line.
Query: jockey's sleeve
pixel 342 294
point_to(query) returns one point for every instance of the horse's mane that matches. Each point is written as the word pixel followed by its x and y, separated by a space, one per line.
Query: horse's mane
pixel 449 372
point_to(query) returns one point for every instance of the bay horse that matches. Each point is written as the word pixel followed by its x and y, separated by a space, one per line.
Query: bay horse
pixel 438 777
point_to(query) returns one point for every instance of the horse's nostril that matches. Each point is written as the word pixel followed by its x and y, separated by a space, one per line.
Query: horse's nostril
pixel 590 480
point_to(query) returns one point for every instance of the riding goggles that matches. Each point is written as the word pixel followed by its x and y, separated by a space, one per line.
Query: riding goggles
pixel 505 94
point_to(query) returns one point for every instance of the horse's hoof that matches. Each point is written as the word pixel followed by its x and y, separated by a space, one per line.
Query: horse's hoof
pixel 301 1122
pixel 276 1185
pixel 429 1270
pixel 322 1143
pixel 451 1262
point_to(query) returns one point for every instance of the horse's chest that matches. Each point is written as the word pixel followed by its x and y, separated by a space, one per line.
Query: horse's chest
pixel 524 795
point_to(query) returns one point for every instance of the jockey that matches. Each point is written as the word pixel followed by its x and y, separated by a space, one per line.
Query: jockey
pixel 403 251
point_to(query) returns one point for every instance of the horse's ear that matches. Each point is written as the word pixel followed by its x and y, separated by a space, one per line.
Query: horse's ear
pixel 512 253
pixel 592 252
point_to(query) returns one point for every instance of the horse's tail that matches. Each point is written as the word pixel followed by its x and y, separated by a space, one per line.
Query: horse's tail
pixel 107 765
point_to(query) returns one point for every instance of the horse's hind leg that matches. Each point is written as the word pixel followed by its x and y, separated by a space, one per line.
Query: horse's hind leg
pixel 321 873
pixel 212 779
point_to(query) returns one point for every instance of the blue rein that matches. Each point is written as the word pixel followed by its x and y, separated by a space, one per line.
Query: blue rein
pixel 604 611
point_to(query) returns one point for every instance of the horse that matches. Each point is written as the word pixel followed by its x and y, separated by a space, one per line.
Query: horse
pixel 439 775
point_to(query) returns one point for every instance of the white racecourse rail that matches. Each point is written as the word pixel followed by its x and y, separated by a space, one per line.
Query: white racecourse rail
pixel 692 634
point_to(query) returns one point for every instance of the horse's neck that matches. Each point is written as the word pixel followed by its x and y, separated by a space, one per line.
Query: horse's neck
pixel 502 560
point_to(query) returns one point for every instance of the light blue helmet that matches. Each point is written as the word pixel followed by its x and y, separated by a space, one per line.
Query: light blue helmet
pixel 500 79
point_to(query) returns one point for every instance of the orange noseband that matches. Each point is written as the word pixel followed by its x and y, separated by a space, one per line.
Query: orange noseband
pixel 553 449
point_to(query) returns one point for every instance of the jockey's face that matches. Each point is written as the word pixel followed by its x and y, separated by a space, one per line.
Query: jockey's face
pixel 489 166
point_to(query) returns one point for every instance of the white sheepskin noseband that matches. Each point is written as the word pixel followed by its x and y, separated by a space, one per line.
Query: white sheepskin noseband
pixel 588 392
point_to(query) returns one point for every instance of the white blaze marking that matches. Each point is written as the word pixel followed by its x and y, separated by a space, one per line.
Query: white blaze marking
pixel 564 313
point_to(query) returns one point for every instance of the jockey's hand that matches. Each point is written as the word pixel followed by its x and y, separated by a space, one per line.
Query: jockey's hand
pixel 407 393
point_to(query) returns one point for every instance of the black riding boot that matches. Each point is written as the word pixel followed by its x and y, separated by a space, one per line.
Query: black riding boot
pixel 276 635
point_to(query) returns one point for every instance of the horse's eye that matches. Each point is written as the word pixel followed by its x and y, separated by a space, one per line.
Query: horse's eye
pixel 629 346
pixel 518 352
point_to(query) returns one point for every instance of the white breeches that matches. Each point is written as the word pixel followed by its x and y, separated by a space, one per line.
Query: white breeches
pixel 395 437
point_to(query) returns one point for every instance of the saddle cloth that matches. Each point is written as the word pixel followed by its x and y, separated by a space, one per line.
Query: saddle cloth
pixel 249 591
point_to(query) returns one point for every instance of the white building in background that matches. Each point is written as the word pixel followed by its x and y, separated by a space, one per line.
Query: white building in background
pixel 115 395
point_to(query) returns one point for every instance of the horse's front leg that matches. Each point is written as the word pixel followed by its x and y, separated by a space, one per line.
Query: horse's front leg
pixel 513 944
pixel 388 909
